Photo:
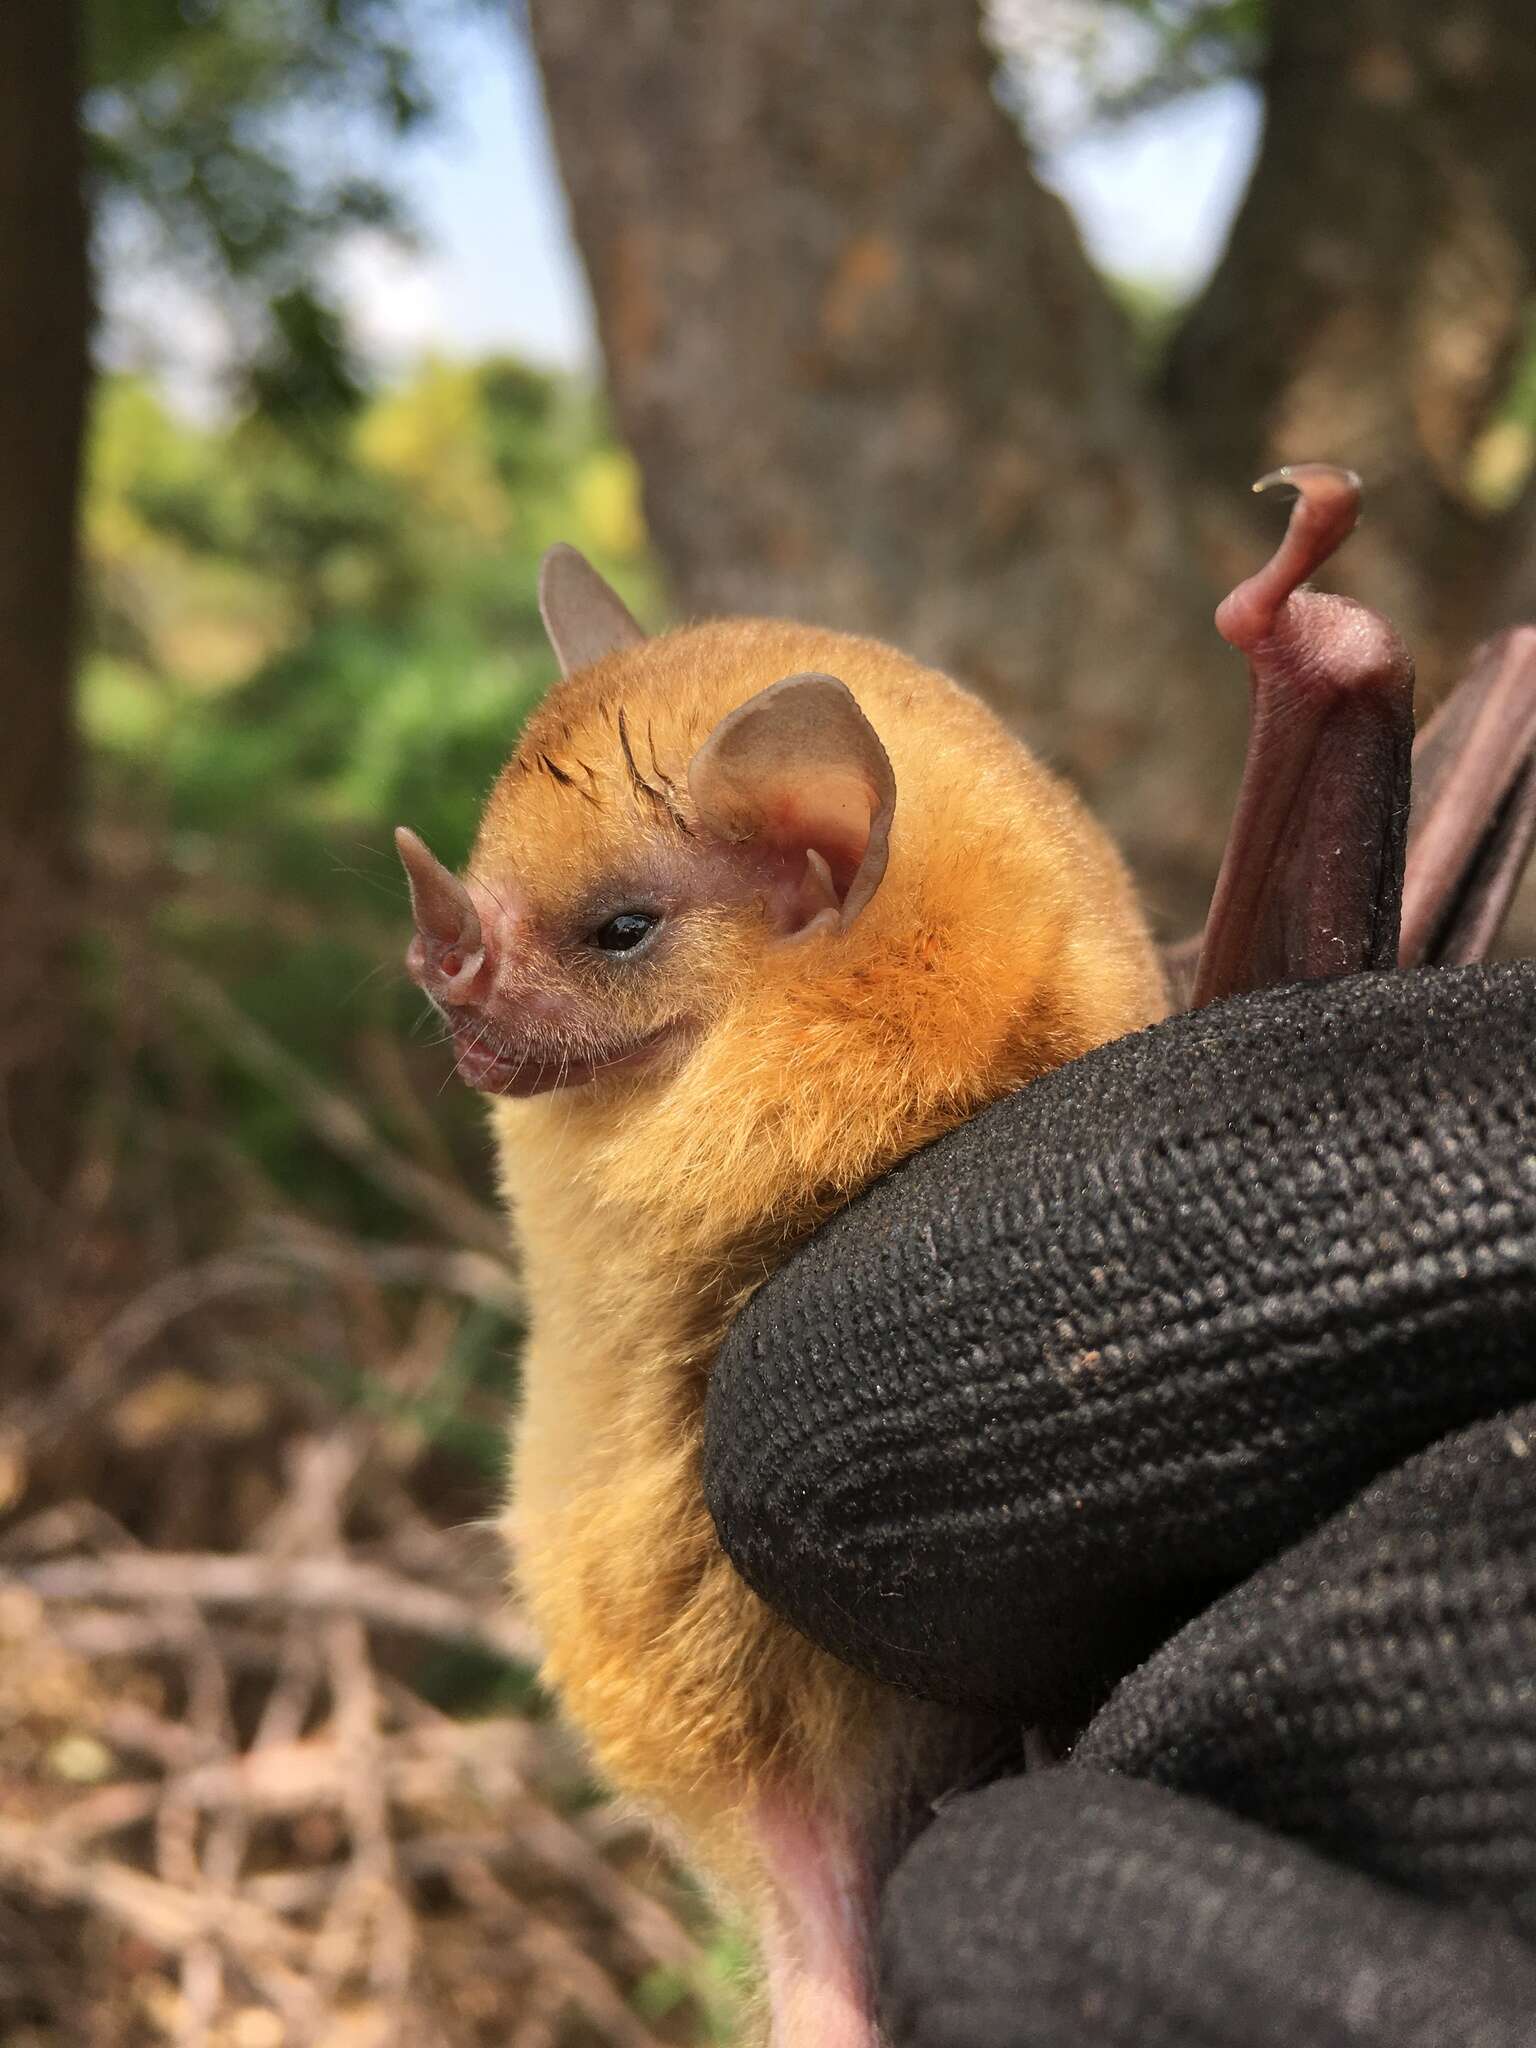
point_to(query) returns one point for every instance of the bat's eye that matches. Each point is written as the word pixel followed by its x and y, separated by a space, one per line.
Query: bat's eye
pixel 622 934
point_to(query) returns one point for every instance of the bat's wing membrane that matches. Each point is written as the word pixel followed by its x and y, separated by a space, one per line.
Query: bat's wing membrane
pixel 1473 820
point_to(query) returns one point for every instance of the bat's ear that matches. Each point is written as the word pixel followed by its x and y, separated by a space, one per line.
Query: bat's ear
pixel 797 778
pixel 584 618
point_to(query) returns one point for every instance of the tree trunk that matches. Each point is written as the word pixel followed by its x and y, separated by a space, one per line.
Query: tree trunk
pixel 1374 293
pixel 871 379
pixel 43 345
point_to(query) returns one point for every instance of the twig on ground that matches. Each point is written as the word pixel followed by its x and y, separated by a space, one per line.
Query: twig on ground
pixel 272 1268
pixel 310 1584
pixel 162 1914
pixel 589 1987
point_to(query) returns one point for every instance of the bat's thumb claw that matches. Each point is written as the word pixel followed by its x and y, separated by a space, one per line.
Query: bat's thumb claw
pixel 1326 508
pixel 1319 482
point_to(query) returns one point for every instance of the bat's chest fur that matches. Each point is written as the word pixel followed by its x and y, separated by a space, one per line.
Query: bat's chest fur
pixel 694 1695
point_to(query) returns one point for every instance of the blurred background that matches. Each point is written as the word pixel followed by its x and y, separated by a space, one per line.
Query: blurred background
pixel 319 320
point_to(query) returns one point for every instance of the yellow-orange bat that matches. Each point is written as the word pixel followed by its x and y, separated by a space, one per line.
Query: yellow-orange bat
pixel 754 911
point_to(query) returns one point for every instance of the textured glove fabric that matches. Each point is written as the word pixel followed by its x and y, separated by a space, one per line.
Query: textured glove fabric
pixel 1085 1363
pixel 1070 1910
pixel 1373 1692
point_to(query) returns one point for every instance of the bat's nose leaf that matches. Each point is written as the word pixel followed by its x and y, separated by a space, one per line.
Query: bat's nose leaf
pixel 443 910
pixel 447 955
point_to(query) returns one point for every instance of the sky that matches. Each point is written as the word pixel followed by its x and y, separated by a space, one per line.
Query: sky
pixel 498 270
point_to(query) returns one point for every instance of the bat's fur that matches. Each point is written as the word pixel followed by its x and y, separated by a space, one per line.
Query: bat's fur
pixel 1004 940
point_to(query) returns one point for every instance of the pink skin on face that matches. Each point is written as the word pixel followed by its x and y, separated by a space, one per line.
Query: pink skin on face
pixel 461 932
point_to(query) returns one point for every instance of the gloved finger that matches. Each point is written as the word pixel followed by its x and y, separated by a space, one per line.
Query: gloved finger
pixel 1066 1909
pixel 1373 1692
pixel 1086 1362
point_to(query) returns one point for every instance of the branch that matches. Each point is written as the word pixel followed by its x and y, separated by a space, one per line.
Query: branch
pixel 1373 293
pixel 308 1584
pixel 337 1122
pixel 162 1914
pixel 872 380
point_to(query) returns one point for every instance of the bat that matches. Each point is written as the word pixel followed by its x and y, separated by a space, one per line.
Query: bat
pixel 753 912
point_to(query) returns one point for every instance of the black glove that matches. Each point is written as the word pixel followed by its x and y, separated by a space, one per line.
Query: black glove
pixel 1071 1908
pixel 1074 1372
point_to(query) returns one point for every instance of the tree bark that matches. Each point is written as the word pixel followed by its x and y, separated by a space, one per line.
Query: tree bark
pixel 1374 293
pixel 43 354
pixel 871 379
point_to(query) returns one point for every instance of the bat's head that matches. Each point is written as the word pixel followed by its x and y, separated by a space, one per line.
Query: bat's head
pixel 662 825
pixel 705 826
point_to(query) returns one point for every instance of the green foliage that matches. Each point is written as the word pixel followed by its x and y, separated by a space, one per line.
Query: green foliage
pixel 233 142
pixel 1193 43
pixel 1504 454
pixel 721 1987
pixel 1152 313
pixel 1068 63
pixel 203 114
pixel 462 1409
pixel 304 638
pixel 471 1683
